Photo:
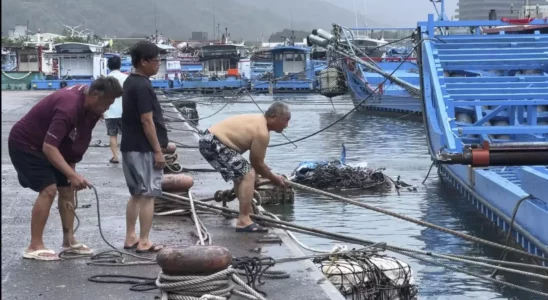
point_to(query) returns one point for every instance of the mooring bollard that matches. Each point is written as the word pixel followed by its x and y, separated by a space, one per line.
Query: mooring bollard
pixel 194 260
pixel 176 183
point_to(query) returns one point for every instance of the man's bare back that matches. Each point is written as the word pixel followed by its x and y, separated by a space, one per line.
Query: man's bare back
pixel 238 132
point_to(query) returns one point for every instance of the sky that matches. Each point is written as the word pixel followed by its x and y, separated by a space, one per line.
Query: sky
pixel 403 13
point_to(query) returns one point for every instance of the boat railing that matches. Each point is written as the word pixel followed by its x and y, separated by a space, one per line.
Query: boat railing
pixel 481 88
pixel 383 33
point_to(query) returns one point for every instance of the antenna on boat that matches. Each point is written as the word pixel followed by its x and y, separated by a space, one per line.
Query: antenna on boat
pixel 155 25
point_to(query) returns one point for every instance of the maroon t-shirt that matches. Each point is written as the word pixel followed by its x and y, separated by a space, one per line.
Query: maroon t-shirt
pixel 60 120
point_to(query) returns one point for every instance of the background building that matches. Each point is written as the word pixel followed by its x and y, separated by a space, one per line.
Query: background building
pixel 479 9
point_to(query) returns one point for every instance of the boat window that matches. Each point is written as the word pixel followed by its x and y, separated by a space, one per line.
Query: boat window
pixel 226 64
pixel 299 57
pixel 233 64
pixel 28 57
pixel 289 57
pixel 218 65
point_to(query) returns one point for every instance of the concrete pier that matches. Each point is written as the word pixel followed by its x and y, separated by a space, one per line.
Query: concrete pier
pixel 29 279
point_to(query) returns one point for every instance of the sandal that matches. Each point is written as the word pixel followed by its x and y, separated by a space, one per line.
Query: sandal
pixel 39 255
pixel 132 246
pixel 253 227
pixel 79 249
pixel 113 161
pixel 152 249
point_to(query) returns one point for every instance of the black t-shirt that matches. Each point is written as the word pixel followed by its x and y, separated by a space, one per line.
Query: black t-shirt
pixel 139 98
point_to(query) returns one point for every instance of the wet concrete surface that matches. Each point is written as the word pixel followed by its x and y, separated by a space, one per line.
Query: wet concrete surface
pixel 68 279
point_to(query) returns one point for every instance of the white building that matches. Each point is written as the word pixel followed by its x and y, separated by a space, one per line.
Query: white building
pixel 513 9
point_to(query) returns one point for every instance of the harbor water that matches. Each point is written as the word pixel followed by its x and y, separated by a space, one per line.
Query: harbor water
pixel 400 147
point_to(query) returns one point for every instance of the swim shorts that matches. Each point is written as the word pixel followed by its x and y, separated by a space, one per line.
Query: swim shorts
pixel 224 160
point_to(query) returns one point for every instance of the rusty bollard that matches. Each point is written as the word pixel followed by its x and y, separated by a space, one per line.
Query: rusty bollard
pixel 194 260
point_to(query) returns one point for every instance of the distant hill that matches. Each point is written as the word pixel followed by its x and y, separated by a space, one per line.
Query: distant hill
pixel 245 19
pixel 300 35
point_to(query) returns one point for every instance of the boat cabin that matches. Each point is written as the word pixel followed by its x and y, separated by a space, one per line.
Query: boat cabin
pixel 170 64
pixel 77 61
pixel 221 60
pixel 292 60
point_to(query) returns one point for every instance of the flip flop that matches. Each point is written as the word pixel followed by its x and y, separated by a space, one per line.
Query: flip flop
pixel 80 249
pixel 113 161
pixel 38 255
pixel 132 246
pixel 154 248
pixel 253 227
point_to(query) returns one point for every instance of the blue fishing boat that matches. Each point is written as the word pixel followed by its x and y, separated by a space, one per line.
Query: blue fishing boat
pixel 72 63
pixel 383 97
pixel 225 66
pixel 486 115
pixel 292 72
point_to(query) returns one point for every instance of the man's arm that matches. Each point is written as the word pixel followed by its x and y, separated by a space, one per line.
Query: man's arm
pixel 257 153
pixel 57 131
pixel 144 107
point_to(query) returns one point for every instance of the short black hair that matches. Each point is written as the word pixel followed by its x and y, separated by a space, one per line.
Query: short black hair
pixel 143 50
pixel 106 86
pixel 114 63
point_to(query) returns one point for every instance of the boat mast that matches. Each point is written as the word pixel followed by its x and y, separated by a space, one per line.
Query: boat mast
pixel 355 15
pixel 365 12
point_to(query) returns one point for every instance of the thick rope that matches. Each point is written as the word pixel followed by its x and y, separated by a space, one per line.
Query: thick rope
pixel 220 284
pixel 417 254
pixel 413 220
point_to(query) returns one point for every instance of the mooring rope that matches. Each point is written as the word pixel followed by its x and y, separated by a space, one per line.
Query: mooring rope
pixel 219 284
pixel 413 220
pixel 174 287
pixel 417 254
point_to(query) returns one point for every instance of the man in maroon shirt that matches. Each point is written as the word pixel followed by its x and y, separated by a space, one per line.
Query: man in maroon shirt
pixel 44 147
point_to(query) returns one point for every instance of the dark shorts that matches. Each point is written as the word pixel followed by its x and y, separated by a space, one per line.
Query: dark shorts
pixel 114 126
pixel 34 170
pixel 141 177
pixel 226 161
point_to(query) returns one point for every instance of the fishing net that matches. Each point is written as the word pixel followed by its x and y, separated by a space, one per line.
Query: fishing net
pixel 369 276
pixel 334 175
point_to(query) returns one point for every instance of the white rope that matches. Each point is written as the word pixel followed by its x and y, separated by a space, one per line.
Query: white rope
pixel 195 217
pixel 216 286
pixel 10 77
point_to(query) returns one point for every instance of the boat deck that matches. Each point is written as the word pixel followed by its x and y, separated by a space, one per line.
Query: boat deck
pixel 505 101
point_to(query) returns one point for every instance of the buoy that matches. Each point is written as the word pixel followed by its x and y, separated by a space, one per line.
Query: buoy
pixel 194 260
pixel 176 183
pixel 170 148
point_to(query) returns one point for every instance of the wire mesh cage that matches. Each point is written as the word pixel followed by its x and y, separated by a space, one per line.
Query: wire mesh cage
pixel 369 276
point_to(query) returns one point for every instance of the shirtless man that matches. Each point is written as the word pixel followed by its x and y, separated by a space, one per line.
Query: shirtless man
pixel 223 144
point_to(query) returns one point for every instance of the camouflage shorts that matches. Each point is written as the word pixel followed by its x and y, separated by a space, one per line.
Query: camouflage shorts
pixel 226 161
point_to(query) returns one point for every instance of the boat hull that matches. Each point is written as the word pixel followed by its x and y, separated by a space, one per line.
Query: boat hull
pixel 495 191
pixel 396 106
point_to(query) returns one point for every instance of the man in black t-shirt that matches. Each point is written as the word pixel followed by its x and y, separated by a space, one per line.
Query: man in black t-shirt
pixel 144 134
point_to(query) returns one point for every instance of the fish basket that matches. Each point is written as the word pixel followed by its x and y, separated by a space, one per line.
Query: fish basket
pixel 273 195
